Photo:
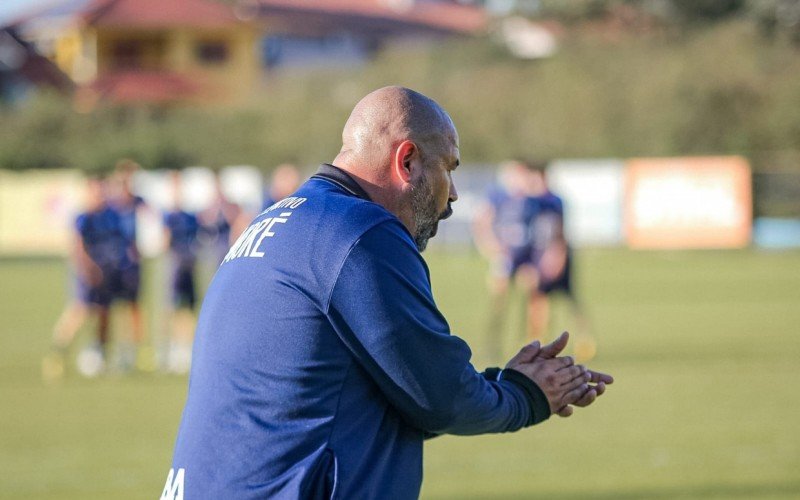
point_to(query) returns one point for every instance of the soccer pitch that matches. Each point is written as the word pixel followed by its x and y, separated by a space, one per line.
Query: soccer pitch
pixel 705 348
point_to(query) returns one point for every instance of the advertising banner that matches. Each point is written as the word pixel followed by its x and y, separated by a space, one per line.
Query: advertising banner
pixel 677 203
pixel 592 191
pixel 37 210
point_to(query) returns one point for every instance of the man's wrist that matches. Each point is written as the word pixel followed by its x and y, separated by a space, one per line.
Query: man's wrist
pixel 540 407
pixel 492 374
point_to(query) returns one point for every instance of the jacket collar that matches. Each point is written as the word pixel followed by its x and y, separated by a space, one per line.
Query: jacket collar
pixel 336 175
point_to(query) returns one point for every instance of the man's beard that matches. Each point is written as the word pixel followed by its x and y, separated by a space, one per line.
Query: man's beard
pixel 426 219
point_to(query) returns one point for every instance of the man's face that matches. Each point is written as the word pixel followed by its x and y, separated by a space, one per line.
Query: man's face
pixel 536 183
pixel 434 189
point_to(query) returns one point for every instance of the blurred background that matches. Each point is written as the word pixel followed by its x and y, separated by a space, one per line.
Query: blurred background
pixel 671 130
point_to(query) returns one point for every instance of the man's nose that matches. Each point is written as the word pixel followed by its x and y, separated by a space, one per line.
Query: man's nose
pixel 453 192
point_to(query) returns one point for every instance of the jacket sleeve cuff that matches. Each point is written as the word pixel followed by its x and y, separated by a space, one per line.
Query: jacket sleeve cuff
pixel 540 407
pixel 491 374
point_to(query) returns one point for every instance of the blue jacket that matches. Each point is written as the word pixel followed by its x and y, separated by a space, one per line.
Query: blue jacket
pixel 321 361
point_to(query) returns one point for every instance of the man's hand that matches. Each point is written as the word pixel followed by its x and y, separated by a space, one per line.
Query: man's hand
pixel 563 383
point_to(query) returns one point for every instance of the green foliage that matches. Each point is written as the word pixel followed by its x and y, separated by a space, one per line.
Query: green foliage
pixel 675 12
pixel 707 10
pixel 575 10
pixel 50 133
pixel 722 89
pixel 778 19
pixel 776 187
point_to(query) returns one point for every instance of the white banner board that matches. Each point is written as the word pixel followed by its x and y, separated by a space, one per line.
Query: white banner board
pixel 593 193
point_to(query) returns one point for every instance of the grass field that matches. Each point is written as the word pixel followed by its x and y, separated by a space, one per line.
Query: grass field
pixel 705 347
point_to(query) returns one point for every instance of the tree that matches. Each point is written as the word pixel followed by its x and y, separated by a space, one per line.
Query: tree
pixel 707 10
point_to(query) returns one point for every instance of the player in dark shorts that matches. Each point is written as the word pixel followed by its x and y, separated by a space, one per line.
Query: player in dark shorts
pixel 181 230
pixel 127 281
pixel 552 260
pixel 95 257
pixel 219 223
pixel 520 231
pixel 502 234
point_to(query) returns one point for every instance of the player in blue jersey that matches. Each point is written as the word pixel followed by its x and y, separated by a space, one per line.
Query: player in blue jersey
pixel 552 259
pixel 521 231
pixel 94 256
pixel 132 348
pixel 181 230
pixel 321 362
pixel 501 230
pixel 220 222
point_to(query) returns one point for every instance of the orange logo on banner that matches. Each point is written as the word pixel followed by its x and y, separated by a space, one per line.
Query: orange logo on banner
pixel 688 203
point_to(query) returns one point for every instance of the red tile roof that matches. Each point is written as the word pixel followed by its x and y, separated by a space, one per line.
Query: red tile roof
pixel 149 14
pixel 434 15
pixel 144 87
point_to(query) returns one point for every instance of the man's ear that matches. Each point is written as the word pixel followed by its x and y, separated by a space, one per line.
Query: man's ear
pixel 403 156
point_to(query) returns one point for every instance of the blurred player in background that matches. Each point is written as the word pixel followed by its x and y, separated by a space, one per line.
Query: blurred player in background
pixel 502 235
pixel 133 351
pixel 285 181
pixel 552 260
pixel 94 259
pixel 181 230
pixel 521 231
pixel 220 222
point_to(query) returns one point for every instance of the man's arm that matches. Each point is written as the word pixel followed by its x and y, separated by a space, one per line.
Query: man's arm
pixel 86 269
pixel 382 308
pixel 554 258
pixel 166 232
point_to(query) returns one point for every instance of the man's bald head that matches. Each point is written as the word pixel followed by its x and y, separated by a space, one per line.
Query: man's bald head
pixel 386 117
pixel 401 147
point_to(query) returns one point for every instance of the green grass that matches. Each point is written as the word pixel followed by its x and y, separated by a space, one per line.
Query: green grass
pixel 705 347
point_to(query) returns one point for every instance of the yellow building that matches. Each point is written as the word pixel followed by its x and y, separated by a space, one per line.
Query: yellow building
pixel 161 51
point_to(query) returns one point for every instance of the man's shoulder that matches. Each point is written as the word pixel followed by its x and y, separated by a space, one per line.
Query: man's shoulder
pixel 101 217
pixel 336 207
pixel 546 200
pixel 81 218
pixel 554 201
pixel 313 228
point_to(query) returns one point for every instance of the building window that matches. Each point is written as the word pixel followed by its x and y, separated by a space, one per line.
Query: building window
pixel 127 54
pixel 142 52
pixel 211 52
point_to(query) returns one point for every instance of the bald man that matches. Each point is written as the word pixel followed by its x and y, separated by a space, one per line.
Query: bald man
pixel 321 362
